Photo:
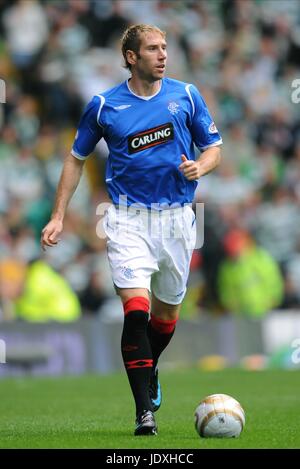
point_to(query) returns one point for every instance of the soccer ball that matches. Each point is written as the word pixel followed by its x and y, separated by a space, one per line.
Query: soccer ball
pixel 219 416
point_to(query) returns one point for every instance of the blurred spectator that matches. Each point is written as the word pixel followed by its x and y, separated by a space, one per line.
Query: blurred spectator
pixel 12 277
pixel 277 226
pixel 249 280
pixel 26 31
pixel 26 27
pixel 93 296
pixel 35 292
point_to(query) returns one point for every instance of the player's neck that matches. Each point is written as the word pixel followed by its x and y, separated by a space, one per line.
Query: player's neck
pixel 143 87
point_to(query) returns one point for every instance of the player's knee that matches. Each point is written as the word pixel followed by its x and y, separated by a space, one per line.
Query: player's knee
pixel 163 313
pixel 163 326
pixel 127 294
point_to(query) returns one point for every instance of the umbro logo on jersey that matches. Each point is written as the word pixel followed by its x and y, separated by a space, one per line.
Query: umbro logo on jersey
pixel 150 138
pixel 123 106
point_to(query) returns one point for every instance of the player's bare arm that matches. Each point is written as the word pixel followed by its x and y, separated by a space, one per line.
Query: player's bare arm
pixel 68 182
pixel 208 161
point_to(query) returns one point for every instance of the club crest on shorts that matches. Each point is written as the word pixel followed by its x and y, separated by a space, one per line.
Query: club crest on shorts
pixel 127 272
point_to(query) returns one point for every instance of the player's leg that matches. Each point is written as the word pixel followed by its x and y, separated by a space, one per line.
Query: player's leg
pixel 161 326
pixel 168 289
pixel 132 263
pixel 137 354
pixel 160 331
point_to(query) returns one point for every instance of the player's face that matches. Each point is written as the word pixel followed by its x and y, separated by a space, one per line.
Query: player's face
pixel 152 58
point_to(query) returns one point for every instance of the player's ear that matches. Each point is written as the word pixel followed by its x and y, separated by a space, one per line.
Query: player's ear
pixel 131 57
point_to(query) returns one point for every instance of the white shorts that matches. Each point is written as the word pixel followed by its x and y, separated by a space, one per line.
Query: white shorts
pixel 151 249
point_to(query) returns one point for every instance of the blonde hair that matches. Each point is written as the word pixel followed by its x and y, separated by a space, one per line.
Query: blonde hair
pixel 131 39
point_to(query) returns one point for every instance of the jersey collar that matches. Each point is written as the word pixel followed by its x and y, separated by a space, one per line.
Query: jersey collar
pixel 144 98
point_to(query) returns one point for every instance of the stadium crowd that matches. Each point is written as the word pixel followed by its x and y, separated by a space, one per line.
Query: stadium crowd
pixel 243 55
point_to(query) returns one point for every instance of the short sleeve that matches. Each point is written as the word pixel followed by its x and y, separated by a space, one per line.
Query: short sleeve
pixel 89 131
pixel 204 131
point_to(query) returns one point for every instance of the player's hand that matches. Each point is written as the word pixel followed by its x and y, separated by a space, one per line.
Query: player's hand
pixel 50 233
pixel 189 168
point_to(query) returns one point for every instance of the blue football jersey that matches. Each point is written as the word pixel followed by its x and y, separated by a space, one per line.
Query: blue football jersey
pixel 146 138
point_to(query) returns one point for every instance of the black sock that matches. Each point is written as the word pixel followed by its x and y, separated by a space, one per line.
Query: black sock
pixel 158 339
pixel 137 357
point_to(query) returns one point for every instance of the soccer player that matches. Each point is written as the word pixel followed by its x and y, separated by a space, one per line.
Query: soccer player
pixel 150 124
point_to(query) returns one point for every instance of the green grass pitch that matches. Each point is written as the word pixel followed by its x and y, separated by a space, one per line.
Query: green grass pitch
pixel 97 411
